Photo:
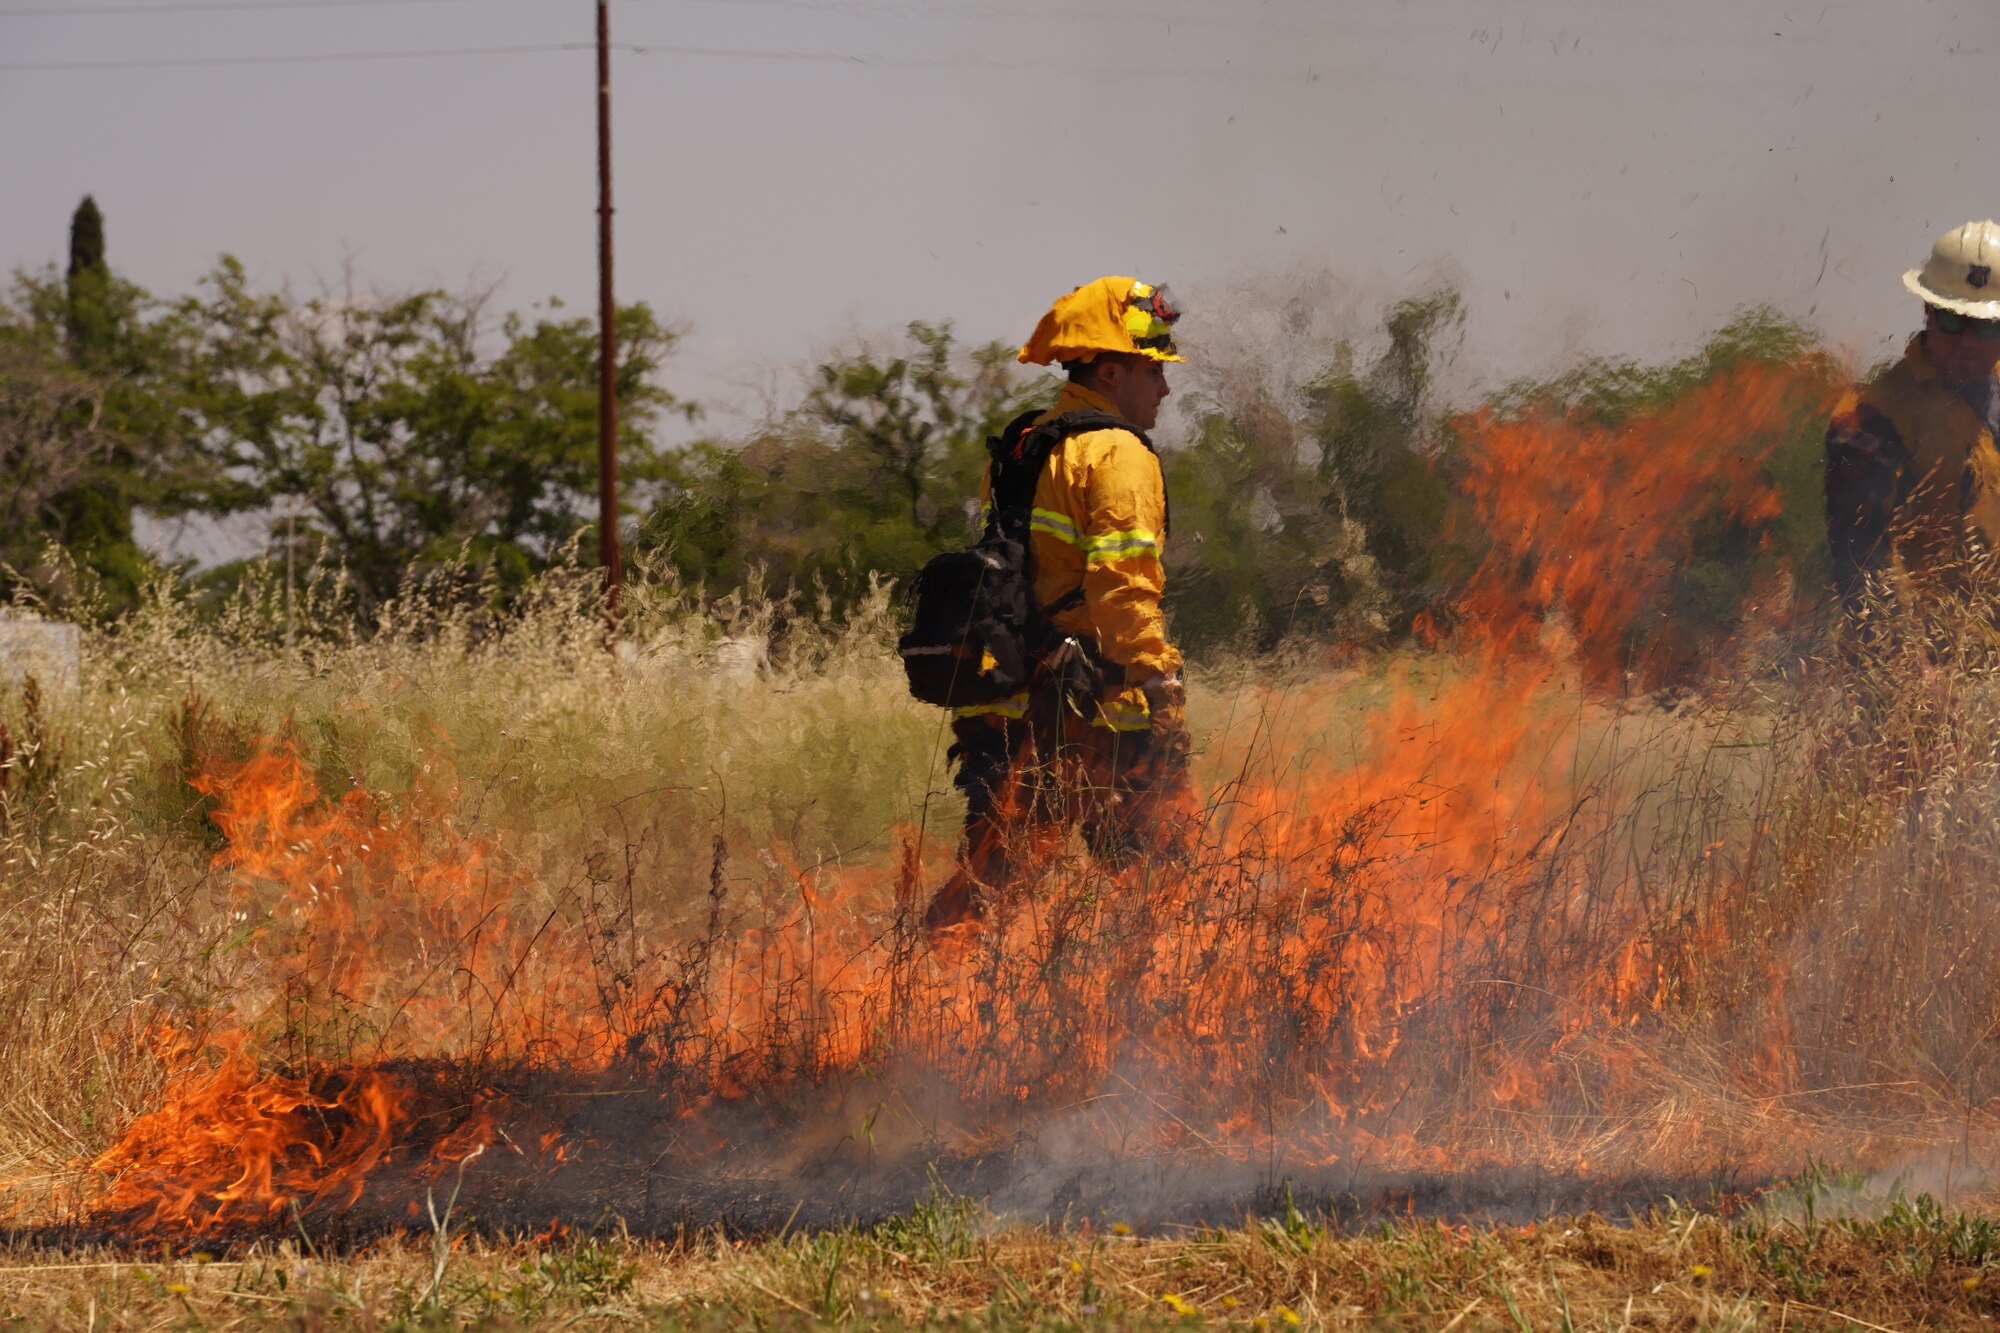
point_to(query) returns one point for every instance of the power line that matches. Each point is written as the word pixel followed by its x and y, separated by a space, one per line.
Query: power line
pixel 330 57
pixel 962 60
pixel 208 7
pixel 1011 12
pixel 956 61
pixel 889 8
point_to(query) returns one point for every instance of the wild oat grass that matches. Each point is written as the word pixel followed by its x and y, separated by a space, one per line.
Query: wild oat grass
pixel 549 731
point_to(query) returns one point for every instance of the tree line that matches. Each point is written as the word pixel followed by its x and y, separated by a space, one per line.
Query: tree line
pixel 395 437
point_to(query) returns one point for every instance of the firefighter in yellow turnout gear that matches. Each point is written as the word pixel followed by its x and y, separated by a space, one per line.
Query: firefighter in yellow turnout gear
pixel 1099 737
pixel 1912 473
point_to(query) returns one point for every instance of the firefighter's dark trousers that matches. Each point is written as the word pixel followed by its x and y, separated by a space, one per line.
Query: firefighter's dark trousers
pixel 1028 780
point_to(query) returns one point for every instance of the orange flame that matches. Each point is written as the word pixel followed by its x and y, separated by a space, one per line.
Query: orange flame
pixel 238 1144
pixel 1592 522
pixel 1357 953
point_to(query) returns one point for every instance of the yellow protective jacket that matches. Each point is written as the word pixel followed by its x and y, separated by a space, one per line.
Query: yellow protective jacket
pixel 1099 521
pixel 1912 473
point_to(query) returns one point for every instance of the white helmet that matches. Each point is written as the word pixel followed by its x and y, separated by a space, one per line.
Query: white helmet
pixel 1960 275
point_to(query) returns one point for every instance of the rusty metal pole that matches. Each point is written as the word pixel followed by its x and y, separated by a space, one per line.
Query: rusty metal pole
pixel 607 356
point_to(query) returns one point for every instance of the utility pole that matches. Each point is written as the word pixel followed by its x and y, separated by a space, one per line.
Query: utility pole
pixel 291 546
pixel 607 356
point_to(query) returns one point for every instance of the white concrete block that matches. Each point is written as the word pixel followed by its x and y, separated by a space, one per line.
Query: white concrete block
pixel 49 650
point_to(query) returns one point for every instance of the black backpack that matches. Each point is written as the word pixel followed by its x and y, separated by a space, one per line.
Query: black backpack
pixel 977 633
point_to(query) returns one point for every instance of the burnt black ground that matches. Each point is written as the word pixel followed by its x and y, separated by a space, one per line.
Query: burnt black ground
pixel 639 1158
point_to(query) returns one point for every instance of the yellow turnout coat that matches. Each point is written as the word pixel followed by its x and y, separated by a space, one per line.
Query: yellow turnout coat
pixel 1099 521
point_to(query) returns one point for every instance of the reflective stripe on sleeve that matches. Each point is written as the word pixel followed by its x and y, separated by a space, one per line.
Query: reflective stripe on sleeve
pixel 1054 524
pixel 1119 717
pixel 1014 706
pixel 1111 545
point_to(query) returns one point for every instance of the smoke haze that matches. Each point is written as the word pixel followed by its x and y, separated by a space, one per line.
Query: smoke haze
pixel 1610 177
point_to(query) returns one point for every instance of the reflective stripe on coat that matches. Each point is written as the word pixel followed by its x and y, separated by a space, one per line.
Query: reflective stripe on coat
pixel 1099 522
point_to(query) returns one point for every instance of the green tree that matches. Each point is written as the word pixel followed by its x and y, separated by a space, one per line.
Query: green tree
pixel 52 444
pixel 1255 553
pixel 391 433
pixel 1382 457
pixel 875 471
pixel 87 287
pixel 92 516
pixel 1323 514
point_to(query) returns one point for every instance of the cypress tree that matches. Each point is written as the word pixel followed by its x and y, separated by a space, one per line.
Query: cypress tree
pixel 88 289
pixel 94 517
pixel 86 239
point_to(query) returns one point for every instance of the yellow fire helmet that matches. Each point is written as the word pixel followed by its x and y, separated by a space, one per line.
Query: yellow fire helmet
pixel 1109 315
pixel 1959 276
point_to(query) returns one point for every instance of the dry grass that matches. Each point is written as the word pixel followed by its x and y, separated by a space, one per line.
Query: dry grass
pixel 1725 929
pixel 524 728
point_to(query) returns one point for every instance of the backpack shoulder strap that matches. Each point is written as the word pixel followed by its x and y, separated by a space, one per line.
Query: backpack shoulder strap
pixel 1079 423
pixel 1021 451
pixel 1086 420
pixel 1019 454
pixel 1009 484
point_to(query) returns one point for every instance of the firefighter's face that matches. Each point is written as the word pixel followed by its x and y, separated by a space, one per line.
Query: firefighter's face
pixel 1136 386
pixel 1964 349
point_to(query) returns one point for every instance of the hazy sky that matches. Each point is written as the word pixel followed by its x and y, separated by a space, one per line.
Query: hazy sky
pixel 1612 175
